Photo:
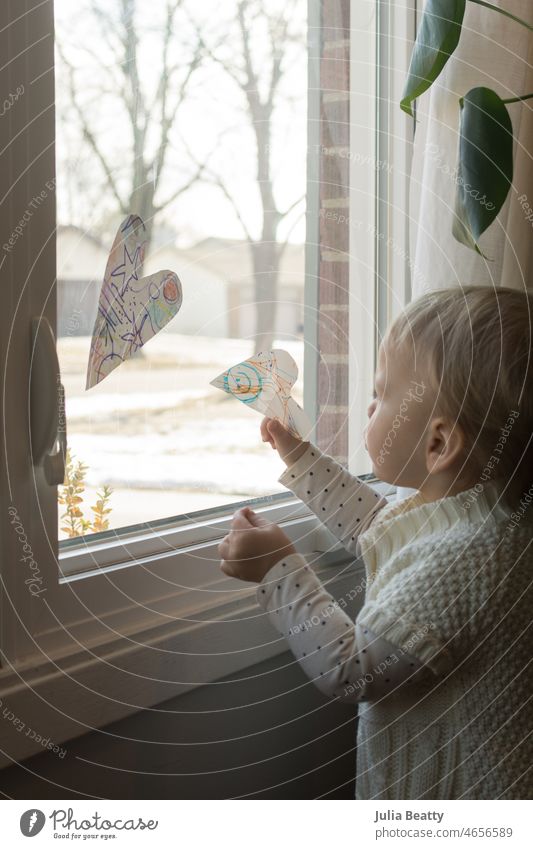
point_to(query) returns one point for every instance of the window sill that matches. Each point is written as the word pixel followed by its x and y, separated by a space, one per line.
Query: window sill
pixel 65 697
pixel 126 548
pixel 191 637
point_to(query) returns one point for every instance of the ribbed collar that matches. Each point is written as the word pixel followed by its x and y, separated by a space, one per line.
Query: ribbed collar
pixel 413 518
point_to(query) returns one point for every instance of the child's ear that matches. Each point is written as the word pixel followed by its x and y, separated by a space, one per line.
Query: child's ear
pixel 445 444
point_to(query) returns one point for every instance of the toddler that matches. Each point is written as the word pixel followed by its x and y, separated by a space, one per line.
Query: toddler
pixel 439 656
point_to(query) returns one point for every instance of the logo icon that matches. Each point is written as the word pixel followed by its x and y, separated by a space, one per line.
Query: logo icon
pixel 32 822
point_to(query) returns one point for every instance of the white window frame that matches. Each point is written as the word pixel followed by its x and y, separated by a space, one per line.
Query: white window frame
pixel 82 645
pixel 382 136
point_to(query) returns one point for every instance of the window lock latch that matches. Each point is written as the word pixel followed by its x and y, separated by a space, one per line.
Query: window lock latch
pixel 48 427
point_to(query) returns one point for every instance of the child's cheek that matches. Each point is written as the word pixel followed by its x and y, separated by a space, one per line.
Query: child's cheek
pixel 373 439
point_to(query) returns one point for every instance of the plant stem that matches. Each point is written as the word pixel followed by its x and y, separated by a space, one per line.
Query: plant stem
pixel 503 12
pixel 517 99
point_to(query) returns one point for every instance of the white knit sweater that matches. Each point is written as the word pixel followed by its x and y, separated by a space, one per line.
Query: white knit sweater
pixel 448 591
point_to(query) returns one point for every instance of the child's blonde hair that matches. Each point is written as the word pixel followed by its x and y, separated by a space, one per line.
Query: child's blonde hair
pixel 475 346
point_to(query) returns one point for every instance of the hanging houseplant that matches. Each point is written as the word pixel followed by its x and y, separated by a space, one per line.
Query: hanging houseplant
pixel 485 166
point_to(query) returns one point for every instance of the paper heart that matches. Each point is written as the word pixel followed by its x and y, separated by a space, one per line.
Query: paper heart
pixel 131 309
pixel 264 382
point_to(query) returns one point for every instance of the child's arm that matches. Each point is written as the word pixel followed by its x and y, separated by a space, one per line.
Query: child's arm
pixel 343 502
pixel 345 660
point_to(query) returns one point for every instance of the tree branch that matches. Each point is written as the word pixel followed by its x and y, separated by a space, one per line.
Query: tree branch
pixel 217 181
pixel 251 88
pixel 135 100
pixel 182 189
pixel 291 207
pixel 87 133
pixel 161 95
pixel 107 24
pixel 284 244
pixel 168 120
pixel 210 52
pixel 109 68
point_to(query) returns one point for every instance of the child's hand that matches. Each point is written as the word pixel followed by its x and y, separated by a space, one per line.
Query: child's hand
pixel 252 547
pixel 288 446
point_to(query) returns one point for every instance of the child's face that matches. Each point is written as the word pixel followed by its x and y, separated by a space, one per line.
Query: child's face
pixel 395 436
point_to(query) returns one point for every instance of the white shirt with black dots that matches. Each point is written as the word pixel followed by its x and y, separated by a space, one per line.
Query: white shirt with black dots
pixel 345 659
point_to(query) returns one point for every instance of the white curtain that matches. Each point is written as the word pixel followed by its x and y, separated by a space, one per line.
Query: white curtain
pixel 496 52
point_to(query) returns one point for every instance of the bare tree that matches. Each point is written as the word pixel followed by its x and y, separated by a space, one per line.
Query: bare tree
pixel 259 79
pixel 149 116
pixel 255 53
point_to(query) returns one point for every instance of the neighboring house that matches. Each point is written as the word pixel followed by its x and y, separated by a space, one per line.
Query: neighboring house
pixel 232 259
pixel 216 276
pixel 81 260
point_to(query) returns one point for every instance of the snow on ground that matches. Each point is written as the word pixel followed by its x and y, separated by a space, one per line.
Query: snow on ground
pixel 163 438
pixel 213 460
pixel 88 406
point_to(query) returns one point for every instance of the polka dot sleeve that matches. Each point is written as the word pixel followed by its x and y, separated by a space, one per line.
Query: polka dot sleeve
pixel 345 660
pixel 343 502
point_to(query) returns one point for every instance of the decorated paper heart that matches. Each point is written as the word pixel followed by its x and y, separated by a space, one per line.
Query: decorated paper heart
pixel 131 309
pixel 264 383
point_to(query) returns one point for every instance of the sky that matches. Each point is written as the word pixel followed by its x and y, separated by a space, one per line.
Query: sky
pixel 210 121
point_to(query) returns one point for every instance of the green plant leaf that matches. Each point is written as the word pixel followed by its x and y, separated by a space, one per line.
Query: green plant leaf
pixel 438 36
pixel 485 168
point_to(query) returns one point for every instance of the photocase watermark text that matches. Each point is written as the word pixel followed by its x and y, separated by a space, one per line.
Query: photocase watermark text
pixel 364 681
pixel 329 610
pixel 10 100
pixel 493 460
pixel 35 579
pixel 415 393
pixel 34 204
pixel 22 727
pixel 435 154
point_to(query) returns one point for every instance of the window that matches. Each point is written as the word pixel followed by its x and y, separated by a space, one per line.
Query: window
pixel 192 116
pixel 145 593
pixel 380 164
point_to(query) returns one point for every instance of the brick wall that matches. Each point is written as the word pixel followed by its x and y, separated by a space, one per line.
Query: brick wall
pixel 333 316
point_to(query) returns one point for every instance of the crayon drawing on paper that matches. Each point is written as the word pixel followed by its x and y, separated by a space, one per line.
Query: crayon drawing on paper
pixel 264 382
pixel 131 308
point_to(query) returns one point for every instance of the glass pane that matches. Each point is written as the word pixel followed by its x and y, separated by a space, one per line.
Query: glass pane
pixel 192 116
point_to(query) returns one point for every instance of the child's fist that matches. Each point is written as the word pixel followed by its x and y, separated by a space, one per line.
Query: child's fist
pixel 288 446
pixel 252 547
